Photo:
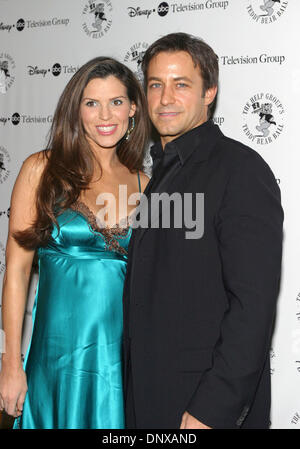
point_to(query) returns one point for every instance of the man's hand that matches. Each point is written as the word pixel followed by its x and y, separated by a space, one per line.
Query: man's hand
pixel 189 422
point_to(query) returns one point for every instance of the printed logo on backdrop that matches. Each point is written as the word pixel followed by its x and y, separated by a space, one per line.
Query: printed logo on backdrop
pixel 266 11
pixel 97 18
pixel 165 8
pixel 134 57
pixel 263 117
pixel 55 70
pixel 219 120
pixel 272 359
pixel 5 213
pixel 138 11
pixel 7 67
pixel 17 119
pixel 2 258
pixel 21 24
pixel 296 418
pixel 298 307
pixel 263 58
pixel 4 164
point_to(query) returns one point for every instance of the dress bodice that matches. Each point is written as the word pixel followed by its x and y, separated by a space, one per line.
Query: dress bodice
pixel 78 234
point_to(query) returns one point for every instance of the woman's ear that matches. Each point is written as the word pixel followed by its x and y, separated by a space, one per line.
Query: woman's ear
pixel 132 109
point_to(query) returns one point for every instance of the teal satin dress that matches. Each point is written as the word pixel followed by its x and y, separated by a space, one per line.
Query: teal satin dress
pixel 74 360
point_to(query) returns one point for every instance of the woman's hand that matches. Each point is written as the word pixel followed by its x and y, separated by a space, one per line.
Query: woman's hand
pixel 190 422
pixel 13 388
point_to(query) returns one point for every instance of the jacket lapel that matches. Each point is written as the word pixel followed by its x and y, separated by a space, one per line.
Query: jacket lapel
pixel 195 149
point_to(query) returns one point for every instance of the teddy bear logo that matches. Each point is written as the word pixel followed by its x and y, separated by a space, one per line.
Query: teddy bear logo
pixel 137 56
pixel 99 14
pixel 4 76
pixel 268 6
pixel 2 166
pixel 266 118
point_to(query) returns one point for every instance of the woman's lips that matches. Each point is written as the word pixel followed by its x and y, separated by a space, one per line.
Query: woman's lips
pixel 106 130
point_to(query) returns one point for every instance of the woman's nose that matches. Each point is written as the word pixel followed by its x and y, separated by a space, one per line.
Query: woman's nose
pixel 104 112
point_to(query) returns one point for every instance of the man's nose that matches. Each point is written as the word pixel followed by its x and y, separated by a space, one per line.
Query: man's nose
pixel 167 96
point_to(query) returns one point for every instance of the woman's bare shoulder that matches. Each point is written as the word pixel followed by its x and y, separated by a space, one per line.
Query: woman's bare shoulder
pixel 36 161
pixel 23 206
pixel 34 165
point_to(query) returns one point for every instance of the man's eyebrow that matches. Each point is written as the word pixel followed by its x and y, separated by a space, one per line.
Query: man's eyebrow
pixel 153 78
pixel 178 78
pixel 183 78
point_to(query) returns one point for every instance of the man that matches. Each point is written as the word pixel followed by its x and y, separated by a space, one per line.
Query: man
pixel 198 312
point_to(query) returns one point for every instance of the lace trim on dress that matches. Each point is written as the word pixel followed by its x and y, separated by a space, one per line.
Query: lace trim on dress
pixel 111 235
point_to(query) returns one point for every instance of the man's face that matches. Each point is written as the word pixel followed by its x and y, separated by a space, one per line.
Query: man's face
pixel 176 102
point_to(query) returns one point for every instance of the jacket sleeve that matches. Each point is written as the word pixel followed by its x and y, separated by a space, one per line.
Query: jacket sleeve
pixel 249 230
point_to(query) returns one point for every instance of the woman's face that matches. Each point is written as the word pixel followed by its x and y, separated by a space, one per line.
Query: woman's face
pixel 105 110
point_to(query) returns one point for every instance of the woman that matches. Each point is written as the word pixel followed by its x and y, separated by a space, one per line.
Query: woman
pixel 73 364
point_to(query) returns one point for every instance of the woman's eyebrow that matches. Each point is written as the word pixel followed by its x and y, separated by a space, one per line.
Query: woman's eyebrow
pixel 110 99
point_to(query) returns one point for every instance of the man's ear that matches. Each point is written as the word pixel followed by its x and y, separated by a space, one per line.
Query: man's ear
pixel 210 95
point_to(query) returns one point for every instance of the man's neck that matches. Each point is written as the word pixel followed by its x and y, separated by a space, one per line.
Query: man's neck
pixel 167 139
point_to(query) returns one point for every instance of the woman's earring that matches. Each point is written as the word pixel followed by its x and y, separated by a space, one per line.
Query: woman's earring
pixel 129 130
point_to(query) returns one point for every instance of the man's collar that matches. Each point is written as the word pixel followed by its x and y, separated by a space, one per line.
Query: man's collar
pixel 202 136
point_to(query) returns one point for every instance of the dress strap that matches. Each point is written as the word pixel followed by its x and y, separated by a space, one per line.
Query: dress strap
pixel 139 181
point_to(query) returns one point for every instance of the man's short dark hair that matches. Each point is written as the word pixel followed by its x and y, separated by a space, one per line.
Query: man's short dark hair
pixel 202 55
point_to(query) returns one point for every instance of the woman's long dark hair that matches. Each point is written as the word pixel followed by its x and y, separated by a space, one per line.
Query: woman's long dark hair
pixel 70 162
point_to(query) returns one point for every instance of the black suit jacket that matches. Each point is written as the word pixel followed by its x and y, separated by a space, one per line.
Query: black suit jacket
pixel 198 313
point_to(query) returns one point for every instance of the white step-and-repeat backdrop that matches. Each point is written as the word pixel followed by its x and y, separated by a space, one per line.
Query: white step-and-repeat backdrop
pixel 42 44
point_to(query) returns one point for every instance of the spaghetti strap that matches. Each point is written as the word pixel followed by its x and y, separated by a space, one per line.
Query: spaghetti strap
pixel 139 181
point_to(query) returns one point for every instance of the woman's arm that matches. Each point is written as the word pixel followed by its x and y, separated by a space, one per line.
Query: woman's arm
pixel 13 385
